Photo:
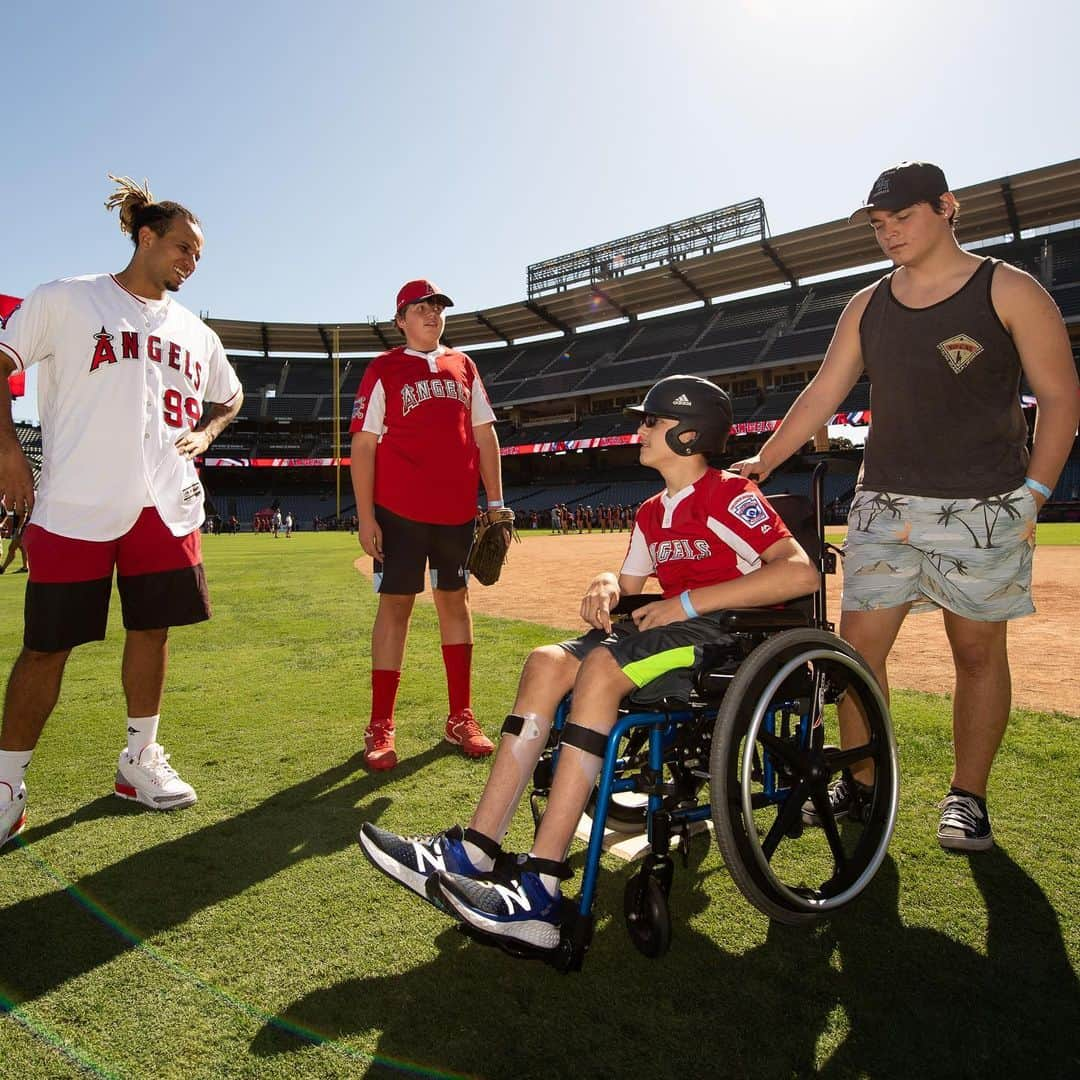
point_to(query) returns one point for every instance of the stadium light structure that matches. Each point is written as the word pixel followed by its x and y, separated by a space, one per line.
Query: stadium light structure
pixel 700 235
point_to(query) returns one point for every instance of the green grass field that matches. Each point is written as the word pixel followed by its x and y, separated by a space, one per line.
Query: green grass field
pixel 247 937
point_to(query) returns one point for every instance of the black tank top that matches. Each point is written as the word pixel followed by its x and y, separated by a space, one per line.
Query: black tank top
pixel 946 420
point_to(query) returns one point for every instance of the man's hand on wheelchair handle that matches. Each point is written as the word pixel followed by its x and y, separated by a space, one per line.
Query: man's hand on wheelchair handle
pixel 659 614
pixel 600 597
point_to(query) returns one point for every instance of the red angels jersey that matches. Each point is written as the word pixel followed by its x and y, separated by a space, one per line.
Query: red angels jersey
pixel 120 379
pixel 423 407
pixel 713 530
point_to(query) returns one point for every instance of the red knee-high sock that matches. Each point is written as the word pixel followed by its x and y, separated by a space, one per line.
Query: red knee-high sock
pixel 457 659
pixel 384 688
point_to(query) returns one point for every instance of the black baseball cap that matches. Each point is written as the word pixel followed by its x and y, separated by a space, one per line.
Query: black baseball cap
pixel 904 184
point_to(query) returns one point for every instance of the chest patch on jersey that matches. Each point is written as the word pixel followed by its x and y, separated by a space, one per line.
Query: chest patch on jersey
pixel 749 509
pixel 959 351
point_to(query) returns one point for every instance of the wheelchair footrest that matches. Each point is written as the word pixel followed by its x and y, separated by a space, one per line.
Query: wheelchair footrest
pixel 567 956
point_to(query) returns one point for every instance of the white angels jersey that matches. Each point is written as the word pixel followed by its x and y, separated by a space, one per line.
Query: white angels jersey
pixel 714 530
pixel 120 379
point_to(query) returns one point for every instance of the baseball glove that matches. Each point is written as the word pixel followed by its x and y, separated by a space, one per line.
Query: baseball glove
pixel 490 545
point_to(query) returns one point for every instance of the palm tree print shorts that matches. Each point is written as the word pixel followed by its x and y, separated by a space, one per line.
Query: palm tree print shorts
pixel 971 556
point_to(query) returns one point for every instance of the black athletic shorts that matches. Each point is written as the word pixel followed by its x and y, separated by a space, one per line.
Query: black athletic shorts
pixel 159 576
pixel 661 661
pixel 409 546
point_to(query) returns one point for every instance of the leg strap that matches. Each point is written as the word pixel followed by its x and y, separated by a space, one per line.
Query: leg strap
pixel 512 725
pixel 583 738
pixel 532 865
pixel 484 843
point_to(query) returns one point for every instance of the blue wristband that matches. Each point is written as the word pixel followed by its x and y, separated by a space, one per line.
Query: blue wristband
pixel 1042 489
pixel 687 606
pixel 495 504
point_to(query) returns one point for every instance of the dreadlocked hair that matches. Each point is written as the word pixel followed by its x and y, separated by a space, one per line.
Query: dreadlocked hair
pixel 137 208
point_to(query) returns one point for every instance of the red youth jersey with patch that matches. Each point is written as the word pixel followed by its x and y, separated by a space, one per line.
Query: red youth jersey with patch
pixel 423 407
pixel 714 530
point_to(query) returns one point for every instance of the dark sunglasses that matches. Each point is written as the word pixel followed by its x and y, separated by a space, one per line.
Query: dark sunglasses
pixel 651 419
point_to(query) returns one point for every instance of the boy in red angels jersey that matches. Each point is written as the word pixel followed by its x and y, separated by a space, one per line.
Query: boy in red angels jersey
pixel 125 387
pixel 423 436
pixel 713 542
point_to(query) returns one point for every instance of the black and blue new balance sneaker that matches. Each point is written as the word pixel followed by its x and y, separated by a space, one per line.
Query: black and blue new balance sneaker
pixel 411 860
pixel 512 904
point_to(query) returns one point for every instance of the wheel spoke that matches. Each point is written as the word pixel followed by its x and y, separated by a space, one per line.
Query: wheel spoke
pixel 784 749
pixel 844 759
pixel 828 824
pixel 787 817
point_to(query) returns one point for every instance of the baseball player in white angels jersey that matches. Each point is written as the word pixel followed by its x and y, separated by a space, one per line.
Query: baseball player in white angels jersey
pixel 423 436
pixel 713 542
pixel 132 387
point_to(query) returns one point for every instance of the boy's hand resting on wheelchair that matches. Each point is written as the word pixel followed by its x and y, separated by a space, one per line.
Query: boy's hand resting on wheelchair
pixel 600 597
pixel 659 613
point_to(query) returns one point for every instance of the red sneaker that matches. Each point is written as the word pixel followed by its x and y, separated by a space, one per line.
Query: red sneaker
pixel 463 730
pixel 379 752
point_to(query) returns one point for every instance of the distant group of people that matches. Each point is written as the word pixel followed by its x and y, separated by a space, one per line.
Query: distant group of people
pixel 584 518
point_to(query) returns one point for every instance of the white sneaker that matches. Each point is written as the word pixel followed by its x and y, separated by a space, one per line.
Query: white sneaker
pixel 12 813
pixel 151 780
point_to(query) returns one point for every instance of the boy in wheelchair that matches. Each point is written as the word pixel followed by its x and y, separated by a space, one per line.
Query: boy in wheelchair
pixel 714 543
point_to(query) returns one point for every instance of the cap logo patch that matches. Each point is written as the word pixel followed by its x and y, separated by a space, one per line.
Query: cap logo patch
pixel 682 399
pixel 959 351
pixel 881 187
pixel 748 508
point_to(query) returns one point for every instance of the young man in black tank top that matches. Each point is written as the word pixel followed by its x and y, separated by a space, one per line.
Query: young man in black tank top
pixel 944 512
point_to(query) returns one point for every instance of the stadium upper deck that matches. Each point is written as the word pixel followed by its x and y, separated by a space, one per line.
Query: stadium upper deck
pixel 762 348
pixel 995 208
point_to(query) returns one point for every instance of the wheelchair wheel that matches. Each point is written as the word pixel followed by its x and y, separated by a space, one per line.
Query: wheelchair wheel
pixel 627 812
pixel 769 760
pixel 648 918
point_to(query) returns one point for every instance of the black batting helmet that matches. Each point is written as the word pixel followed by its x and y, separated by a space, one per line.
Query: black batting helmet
pixel 699 406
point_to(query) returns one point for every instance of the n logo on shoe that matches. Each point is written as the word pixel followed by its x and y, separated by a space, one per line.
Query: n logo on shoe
pixel 433 858
pixel 510 897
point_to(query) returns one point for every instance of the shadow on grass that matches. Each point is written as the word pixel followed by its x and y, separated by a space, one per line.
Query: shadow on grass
pixel 47 940
pixel 912 1000
pixel 920 1003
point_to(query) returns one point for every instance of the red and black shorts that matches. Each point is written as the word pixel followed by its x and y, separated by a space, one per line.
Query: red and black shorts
pixel 159 576
pixel 409 546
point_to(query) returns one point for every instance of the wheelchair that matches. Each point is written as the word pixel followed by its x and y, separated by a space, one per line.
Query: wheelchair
pixel 747 749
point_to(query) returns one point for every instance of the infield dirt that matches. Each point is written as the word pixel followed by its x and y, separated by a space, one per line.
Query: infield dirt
pixel 546 575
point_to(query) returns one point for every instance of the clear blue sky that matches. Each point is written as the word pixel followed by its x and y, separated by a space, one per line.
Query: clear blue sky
pixel 335 149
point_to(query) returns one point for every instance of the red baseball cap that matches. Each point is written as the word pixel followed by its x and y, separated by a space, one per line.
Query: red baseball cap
pixel 412 292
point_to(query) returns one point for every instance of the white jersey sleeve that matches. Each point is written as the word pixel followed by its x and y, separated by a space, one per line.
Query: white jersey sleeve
pixel 26 336
pixel 639 561
pixel 223 384
pixel 481 410
pixel 375 413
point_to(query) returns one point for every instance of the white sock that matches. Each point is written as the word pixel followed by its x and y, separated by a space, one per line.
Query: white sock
pixel 13 765
pixel 141 732
pixel 477 857
pixel 551 883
